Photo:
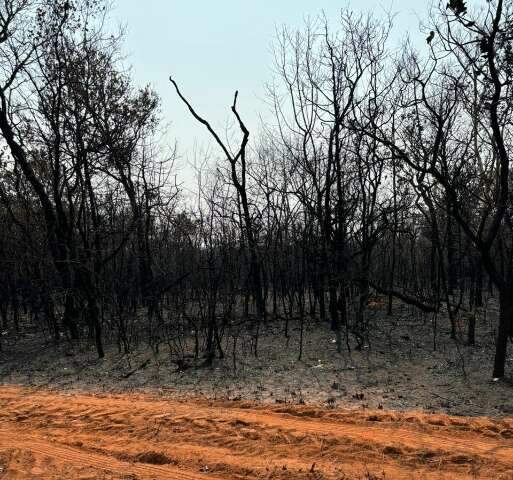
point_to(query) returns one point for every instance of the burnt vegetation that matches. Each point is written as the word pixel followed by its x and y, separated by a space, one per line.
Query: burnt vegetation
pixel 384 175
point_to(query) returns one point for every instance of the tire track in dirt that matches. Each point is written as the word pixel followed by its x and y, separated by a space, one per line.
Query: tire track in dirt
pixel 200 439
pixel 71 456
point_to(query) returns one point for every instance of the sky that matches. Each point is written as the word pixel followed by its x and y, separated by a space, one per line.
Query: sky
pixel 214 48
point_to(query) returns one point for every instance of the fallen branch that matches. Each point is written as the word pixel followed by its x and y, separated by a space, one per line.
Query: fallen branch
pixel 140 367
pixel 428 308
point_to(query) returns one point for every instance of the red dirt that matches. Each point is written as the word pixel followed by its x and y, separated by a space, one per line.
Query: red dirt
pixel 49 435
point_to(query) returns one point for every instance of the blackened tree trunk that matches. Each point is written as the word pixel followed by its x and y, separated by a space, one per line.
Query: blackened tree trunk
pixel 505 330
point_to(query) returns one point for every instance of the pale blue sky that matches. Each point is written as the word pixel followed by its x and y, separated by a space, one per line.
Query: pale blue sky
pixel 213 48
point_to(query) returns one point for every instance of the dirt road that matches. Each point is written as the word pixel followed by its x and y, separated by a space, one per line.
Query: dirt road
pixel 45 434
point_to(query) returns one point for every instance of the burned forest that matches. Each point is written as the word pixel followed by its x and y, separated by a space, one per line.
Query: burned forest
pixel 380 177
pixel 365 226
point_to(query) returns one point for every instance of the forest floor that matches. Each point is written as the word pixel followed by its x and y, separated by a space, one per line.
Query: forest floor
pixel 358 413
pixel 399 369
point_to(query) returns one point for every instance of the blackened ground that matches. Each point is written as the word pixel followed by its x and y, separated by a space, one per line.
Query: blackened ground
pixel 399 369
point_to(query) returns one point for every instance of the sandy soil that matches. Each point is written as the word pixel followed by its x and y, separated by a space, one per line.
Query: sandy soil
pixel 49 435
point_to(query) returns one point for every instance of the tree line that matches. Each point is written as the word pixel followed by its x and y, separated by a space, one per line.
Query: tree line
pixel 383 172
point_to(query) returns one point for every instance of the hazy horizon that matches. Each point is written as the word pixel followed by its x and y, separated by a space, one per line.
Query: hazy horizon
pixel 214 51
